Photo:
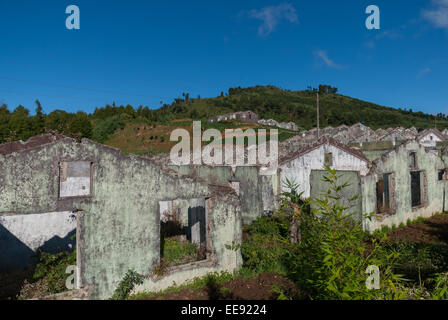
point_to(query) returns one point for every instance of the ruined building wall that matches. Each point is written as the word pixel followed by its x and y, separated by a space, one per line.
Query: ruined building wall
pixel 119 229
pixel 298 170
pixel 397 162
pixel 22 235
pixel 257 193
pixel 225 230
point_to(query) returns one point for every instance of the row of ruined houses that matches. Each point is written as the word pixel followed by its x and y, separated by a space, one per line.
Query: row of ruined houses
pixel 57 192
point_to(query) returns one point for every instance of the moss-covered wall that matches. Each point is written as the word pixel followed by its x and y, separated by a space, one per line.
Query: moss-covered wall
pixel 257 192
pixel 119 229
pixel 397 162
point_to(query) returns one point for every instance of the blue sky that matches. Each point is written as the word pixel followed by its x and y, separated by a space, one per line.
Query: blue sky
pixel 143 52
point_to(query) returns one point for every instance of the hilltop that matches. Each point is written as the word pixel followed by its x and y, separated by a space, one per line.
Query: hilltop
pixel 300 107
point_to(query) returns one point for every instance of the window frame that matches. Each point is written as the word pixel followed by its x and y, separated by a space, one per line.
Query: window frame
pixel 91 193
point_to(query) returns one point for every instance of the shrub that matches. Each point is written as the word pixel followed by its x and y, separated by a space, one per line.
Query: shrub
pixel 103 130
pixel 440 291
pixel 126 285
pixel 52 267
pixel 331 260
pixel 266 244
pixel 419 261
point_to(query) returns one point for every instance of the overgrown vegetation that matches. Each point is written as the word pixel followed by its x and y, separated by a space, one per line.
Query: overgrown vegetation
pixel 326 254
pixel 175 252
pixel 267 245
pixel 126 285
pixel 105 128
pixel 52 268
pixel 331 256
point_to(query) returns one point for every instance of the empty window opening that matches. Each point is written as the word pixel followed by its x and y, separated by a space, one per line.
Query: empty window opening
pixel 416 189
pixel 182 232
pixel 328 159
pixel 443 175
pixel 75 179
pixel 413 160
pixel 384 193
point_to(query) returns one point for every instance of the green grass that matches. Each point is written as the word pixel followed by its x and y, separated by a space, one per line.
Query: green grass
pixel 198 283
pixel 177 253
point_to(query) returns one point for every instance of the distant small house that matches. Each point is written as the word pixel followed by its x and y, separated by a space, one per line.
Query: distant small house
pixel 288 126
pixel 297 167
pixel 429 138
pixel 246 116
pixel 445 133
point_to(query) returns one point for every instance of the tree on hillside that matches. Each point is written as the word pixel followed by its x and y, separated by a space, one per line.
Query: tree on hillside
pixel 39 119
pixel 81 125
pixel 326 89
pixel 20 124
pixel 58 120
pixel 4 123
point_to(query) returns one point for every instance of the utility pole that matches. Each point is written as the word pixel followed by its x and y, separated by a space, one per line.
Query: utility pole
pixel 317 105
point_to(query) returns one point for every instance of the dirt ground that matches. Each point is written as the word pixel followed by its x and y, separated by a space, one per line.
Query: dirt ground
pixel 261 288
pixel 11 283
pixel 431 231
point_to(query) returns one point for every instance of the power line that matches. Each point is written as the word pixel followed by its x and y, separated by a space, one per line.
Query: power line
pixel 45 95
pixel 81 88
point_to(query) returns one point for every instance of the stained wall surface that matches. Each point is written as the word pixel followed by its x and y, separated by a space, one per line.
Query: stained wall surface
pixel 119 227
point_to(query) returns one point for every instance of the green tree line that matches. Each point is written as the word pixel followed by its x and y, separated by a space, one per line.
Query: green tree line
pixel 268 102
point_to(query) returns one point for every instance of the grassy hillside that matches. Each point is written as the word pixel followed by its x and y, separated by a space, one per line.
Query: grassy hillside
pixel 300 107
pixel 152 139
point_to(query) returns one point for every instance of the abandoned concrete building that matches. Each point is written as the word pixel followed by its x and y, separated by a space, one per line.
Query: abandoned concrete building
pixel 115 204
pixel 284 125
pixel 245 116
pixel 429 138
pixel 121 207
pixel 249 116
pixel 327 151
pixel 405 183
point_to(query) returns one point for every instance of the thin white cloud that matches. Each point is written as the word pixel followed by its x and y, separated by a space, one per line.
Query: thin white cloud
pixel 437 16
pixel 322 55
pixel 423 72
pixel 271 16
pixel 386 34
pixel 389 34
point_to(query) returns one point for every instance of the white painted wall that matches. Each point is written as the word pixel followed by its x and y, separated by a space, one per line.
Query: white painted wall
pixel 299 169
pixel 429 140
pixel 75 187
pixel 24 234
pixel 35 229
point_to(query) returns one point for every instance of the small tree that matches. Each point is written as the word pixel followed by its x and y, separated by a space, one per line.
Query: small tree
pixel 331 260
